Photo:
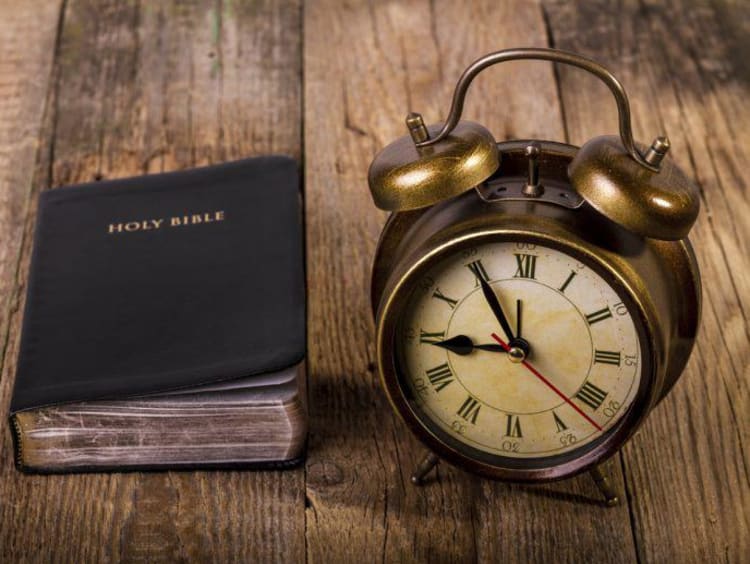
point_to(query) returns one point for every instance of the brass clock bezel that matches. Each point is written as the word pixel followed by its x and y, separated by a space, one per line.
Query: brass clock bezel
pixel 389 318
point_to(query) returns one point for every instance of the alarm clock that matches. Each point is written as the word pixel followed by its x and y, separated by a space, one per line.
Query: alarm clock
pixel 534 300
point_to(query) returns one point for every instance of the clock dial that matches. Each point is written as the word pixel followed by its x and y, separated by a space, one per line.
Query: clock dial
pixel 518 350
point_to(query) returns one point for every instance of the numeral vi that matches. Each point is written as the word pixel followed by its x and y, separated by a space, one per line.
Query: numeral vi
pixel 513 426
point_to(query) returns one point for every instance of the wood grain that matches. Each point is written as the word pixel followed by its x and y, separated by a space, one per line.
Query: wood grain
pixel 28 33
pixel 687 471
pixel 27 47
pixel 392 58
pixel 136 87
pixel 146 87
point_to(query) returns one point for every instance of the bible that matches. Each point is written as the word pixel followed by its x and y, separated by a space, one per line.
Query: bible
pixel 164 324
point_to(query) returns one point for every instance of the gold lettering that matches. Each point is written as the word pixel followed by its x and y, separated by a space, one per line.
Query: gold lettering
pixel 175 221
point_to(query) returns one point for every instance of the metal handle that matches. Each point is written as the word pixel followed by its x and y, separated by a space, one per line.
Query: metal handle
pixel 621 98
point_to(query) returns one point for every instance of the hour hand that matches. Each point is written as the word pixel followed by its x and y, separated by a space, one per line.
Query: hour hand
pixel 463 345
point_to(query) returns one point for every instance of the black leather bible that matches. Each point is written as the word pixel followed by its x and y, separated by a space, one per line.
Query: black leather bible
pixel 164 324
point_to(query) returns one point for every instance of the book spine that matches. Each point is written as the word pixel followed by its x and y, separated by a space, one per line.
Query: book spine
pixel 17 441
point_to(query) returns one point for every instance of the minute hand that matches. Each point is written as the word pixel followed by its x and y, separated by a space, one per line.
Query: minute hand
pixel 494 304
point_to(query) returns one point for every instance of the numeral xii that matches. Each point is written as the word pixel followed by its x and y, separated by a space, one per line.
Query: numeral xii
pixel 525 266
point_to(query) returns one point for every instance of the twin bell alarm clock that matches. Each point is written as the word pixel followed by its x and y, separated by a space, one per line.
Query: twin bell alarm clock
pixel 533 300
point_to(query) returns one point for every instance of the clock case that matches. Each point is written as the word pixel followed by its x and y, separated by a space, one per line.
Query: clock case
pixel 621 208
pixel 658 280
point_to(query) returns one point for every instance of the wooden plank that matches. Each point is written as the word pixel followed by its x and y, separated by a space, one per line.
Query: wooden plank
pixel 146 87
pixel 28 33
pixel 27 42
pixel 686 71
pixel 366 64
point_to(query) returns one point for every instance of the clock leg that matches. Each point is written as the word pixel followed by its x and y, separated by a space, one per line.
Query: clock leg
pixel 601 481
pixel 428 463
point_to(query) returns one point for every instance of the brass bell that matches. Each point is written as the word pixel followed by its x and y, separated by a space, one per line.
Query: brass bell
pixel 631 185
pixel 661 203
pixel 405 176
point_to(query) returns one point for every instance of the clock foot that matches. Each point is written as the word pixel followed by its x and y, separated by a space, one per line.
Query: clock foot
pixel 428 463
pixel 601 481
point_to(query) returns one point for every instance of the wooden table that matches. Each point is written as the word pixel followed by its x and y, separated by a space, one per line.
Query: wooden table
pixel 93 89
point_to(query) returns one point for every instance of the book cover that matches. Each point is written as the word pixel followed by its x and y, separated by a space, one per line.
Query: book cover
pixel 163 284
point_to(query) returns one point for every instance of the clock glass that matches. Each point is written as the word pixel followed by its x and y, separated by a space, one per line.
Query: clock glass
pixel 519 352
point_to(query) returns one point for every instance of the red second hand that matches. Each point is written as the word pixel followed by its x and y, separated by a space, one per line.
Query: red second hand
pixel 550 385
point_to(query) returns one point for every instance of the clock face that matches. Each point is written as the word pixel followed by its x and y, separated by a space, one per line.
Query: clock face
pixel 518 351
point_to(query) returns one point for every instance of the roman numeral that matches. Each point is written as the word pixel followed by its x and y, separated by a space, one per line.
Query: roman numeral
pixel 425 337
pixel 513 426
pixel 591 395
pixel 559 423
pixel 607 357
pixel 440 376
pixel 477 269
pixel 440 296
pixel 526 266
pixel 568 280
pixel 598 316
pixel 469 410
